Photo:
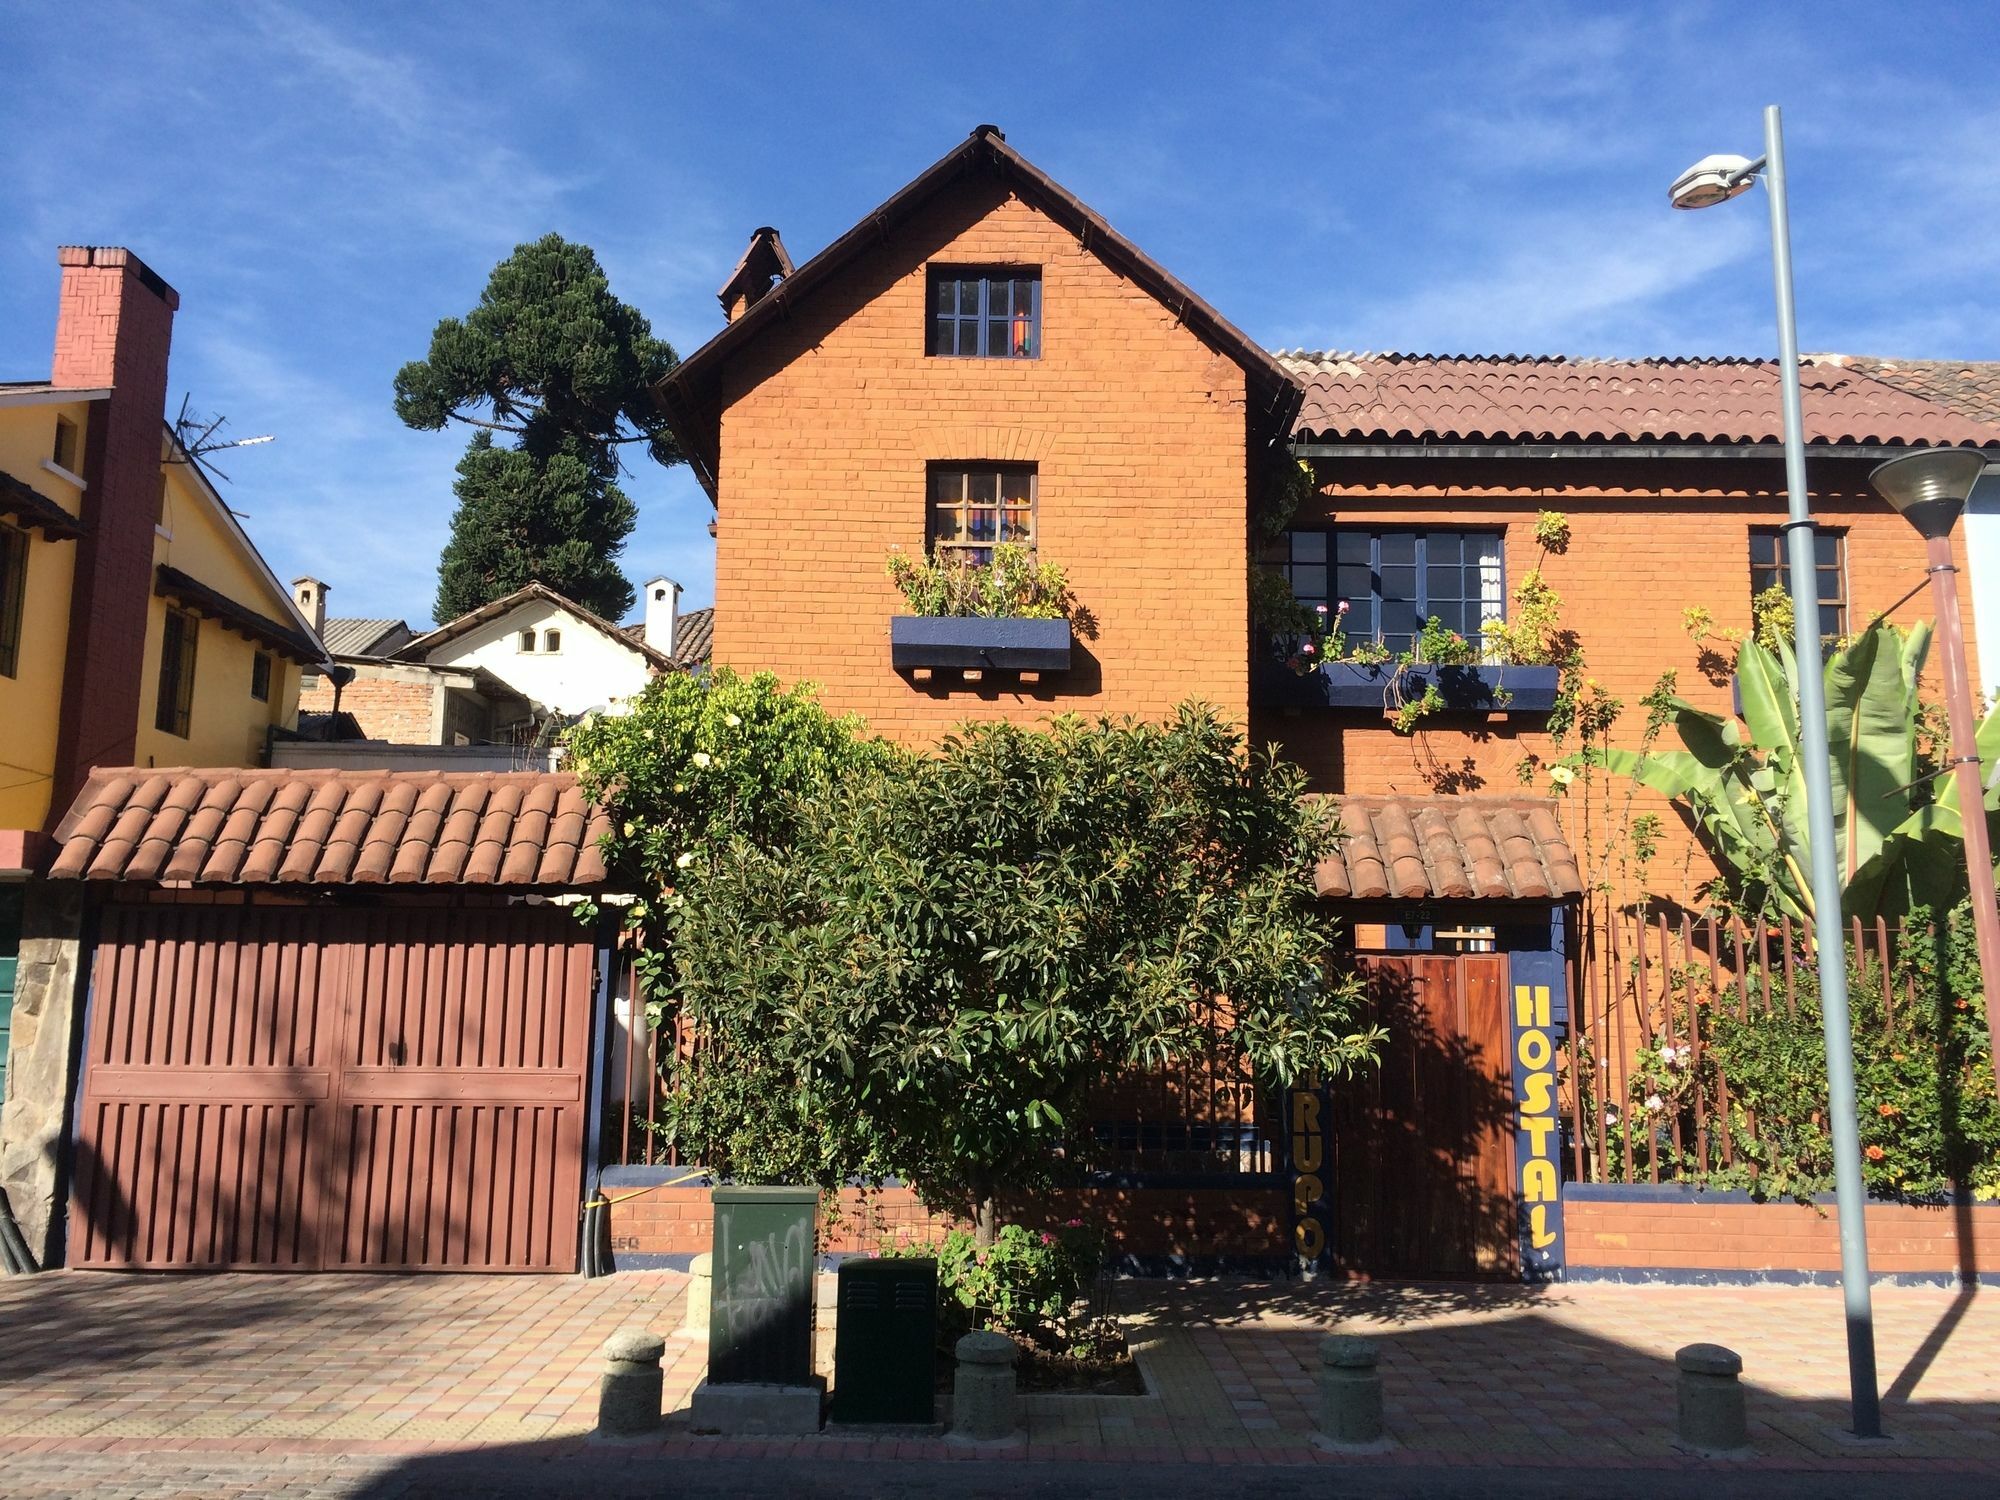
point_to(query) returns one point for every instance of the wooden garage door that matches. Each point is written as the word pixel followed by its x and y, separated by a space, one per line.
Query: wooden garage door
pixel 302 1089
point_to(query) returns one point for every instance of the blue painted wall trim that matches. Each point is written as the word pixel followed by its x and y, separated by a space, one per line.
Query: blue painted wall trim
pixel 1646 1192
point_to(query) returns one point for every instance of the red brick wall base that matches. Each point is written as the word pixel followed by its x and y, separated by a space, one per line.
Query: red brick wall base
pixel 1147 1227
pixel 1668 1234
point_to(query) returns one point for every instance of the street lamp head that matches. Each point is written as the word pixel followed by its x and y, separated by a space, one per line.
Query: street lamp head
pixel 1930 485
pixel 1713 179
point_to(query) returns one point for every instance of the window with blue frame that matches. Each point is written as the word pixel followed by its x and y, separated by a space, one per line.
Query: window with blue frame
pixel 991 313
pixel 1394 580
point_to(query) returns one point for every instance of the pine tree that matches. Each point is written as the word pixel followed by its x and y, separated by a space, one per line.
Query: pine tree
pixel 552 358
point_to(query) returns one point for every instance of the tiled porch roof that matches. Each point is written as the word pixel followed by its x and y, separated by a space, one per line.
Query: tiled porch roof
pixel 523 829
pixel 1450 849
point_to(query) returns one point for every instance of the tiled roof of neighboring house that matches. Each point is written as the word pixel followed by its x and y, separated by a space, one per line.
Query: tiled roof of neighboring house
pixel 1449 848
pixel 694 632
pixel 357 637
pixel 309 827
pixel 1970 387
pixel 691 395
pixel 423 645
pixel 1404 398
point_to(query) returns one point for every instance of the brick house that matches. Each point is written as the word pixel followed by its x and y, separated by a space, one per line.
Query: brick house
pixel 983 358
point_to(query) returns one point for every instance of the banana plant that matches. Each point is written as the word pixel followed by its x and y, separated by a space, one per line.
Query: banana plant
pixel 1742 785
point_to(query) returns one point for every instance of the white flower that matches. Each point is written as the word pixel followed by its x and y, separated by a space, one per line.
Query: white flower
pixel 1561 775
pixel 1654 1104
pixel 683 861
pixel 1667 1053
pixel 703 758
pixel 732 721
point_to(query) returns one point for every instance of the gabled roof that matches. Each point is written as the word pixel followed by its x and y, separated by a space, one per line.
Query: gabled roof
pixel 1449 849
pixel 691 396
pixel 471 620
pixel 1426 398
pixel 358 637
pixel 694 631
pixel 332 827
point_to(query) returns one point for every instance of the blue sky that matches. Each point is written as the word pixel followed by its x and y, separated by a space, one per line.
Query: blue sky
pixel 322 183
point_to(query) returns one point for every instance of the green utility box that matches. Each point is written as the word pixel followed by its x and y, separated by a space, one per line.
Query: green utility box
pixel 760 1324
pixel 885 1341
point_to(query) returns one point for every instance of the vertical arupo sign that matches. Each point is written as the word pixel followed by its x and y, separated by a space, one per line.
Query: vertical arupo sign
pixel 1536 978
pixel 1307 1118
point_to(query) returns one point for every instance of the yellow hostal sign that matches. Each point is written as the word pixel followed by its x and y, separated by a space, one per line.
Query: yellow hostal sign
pixel 1538 1124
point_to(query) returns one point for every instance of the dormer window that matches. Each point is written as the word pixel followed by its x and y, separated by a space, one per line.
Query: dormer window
pixel 986 313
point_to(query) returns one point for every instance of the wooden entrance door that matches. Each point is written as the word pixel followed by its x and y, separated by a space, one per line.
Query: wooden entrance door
pixel 313 1089
pixel 1423 1145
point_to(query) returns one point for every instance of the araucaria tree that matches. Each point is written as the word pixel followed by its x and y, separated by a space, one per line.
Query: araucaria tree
pixel 551 359
pixel 957 951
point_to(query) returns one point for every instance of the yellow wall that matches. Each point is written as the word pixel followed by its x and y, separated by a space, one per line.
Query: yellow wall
pixel 30 701
pixel 226 725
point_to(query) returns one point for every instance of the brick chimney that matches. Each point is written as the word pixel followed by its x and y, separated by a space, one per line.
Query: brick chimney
pixel 310 596
pixel 663 613
pixel 114 326
pixel 762 267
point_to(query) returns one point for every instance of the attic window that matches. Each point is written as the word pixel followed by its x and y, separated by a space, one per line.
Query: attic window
pixel 65 454
pixel 986 313
pixel 527 641
pixel 552 640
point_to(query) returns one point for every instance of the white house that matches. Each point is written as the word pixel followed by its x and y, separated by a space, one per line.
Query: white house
pixel 499 675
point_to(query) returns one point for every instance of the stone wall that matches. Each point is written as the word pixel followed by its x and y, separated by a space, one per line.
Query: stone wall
pixel 48 1010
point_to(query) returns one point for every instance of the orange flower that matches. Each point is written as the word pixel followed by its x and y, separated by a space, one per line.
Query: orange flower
pixel 1887 1110
pixel 1875 1153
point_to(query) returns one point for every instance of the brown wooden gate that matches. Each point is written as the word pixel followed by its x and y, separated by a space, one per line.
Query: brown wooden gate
pixel 334 1089
pixel 1423 1146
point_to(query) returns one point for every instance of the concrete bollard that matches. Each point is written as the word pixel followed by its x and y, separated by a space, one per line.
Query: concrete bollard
pixel 1709 1399
pixel 1350 1391
pixel 629 1394
pixel 695 1304
pixel 984 1403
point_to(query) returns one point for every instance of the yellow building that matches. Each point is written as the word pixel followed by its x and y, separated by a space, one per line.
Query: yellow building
pixel 138 624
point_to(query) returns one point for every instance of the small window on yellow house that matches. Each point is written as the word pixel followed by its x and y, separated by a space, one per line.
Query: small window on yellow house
pixel 260 677
pixel 65 454
pixel 13 588
pixel 177 643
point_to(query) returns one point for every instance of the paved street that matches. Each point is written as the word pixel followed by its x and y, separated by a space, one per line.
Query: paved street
pixel 391 1386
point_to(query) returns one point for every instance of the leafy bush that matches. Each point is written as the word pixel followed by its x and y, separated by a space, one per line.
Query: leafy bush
pixel 1032 1284
pixel 1013 586
pixel 1929 1120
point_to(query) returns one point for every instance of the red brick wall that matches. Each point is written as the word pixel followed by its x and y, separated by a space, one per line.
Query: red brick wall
pixel 386 708
pixel 1678 1232
pixel 113 328
pixel 1648 540
pixel 1137 429
pixel 1234 1222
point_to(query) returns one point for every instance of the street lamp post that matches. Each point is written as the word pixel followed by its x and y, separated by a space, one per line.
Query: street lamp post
pixel 1930 488
pixel 1716 179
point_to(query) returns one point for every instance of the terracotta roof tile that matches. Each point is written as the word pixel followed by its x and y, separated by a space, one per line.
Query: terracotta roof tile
pixel 1970 387
pixel 514 829
pixel 1402 398
pixel 1449 849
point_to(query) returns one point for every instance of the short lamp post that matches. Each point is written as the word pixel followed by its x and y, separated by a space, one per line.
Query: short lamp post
pixel 1930 487
pixel 1717 179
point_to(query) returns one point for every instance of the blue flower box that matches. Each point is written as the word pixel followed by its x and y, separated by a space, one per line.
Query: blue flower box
pixel 979 643
pixel 1481 688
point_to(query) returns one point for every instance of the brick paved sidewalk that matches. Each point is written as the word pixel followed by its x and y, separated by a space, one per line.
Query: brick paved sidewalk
pixel 355 1384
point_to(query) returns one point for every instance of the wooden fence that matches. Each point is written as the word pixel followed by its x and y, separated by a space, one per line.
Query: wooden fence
pixel 1641 982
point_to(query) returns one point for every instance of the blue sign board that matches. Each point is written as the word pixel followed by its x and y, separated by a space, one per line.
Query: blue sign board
pixel 1537 979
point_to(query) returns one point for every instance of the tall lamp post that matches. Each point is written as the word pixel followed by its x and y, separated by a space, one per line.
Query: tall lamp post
pixel 1717 179
pixel 1930 488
